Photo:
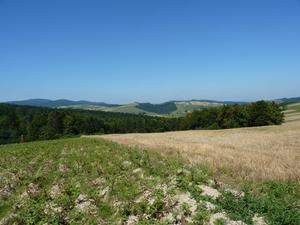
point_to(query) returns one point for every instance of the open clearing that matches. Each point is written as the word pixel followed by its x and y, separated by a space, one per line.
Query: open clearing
pixel 258 153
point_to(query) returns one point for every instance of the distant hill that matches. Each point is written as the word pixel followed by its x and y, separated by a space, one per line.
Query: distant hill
pixel 286 101
pixel 181 107
pixel 171 108
pixel 57 103
pixel 164 108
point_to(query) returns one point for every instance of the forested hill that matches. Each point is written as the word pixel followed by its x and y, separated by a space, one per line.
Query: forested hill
pixel 24 123
pixel 286 101
pixel 171 108
pixel 59 103
pixel 35 123
pixel 175 108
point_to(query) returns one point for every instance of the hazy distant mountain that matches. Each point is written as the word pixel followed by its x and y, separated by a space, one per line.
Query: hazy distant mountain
pixel 168 108
pixel 57 103
pixel 288 100
pixel 173 108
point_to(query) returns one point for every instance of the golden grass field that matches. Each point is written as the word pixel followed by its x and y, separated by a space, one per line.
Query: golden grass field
pixel 257 153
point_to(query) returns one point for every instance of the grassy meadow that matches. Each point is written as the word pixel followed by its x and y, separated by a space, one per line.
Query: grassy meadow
pixel 91 181
pixel 292 112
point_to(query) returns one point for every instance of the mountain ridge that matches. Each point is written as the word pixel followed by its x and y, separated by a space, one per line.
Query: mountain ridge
pixel 173 107
pixel 56 103
pixel 66 102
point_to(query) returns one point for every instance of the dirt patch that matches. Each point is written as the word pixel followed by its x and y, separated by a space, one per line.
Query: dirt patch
pixel 56 191
pixel 222 217
pixel 85 204
pixel 99 182
pixel 132 220
pixel 209 191
pixel 32 189
pixel 8 184
pixel 7 191
pixel 52 209
pixel 104 192
pixel 63 168
pixel 257 220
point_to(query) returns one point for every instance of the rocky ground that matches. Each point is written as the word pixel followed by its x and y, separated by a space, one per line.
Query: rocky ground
pixel 86 181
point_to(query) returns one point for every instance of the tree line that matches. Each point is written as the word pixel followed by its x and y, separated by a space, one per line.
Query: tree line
pixel 260 113
pixel 24 123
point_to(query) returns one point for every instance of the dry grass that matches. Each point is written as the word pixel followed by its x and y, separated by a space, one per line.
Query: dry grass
pixel 293 117
pixel 261 153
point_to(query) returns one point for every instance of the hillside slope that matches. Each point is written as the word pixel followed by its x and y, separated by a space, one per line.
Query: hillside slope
pixel 59 103
pixel 258 153
pixel 171 108
pixel 86 181
pixel 292 112
pixel 288 100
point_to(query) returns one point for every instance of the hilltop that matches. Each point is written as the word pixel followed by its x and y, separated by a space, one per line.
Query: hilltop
pixel 58 103
pixel 171 108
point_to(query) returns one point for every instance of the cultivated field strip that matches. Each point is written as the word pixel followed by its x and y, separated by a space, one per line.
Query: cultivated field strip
pixel 259 153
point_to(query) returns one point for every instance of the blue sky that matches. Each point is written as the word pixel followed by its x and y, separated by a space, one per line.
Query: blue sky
pixel 149 50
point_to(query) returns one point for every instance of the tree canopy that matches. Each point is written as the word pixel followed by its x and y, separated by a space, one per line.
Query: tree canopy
pixel 25 123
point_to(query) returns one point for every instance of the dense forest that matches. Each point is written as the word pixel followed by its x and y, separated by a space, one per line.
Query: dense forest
pixel 164 108
pixel 33 123
pixel 260 113
pixel 25 123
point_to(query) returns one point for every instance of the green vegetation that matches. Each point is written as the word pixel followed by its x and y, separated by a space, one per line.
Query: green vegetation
pixel 129 108
pixel 20 123
pixel 291 111
pixel 164 108
pixel 260 113
pixel 220 222
pixel 60 103
pixel 293 108
pixel 184 108
pixel 277 201
pixel 172 108
pixel 168 109
pixel 87 181
pixel 287 101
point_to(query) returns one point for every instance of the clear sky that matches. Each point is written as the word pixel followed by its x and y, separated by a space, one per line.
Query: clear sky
pixel 149 50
